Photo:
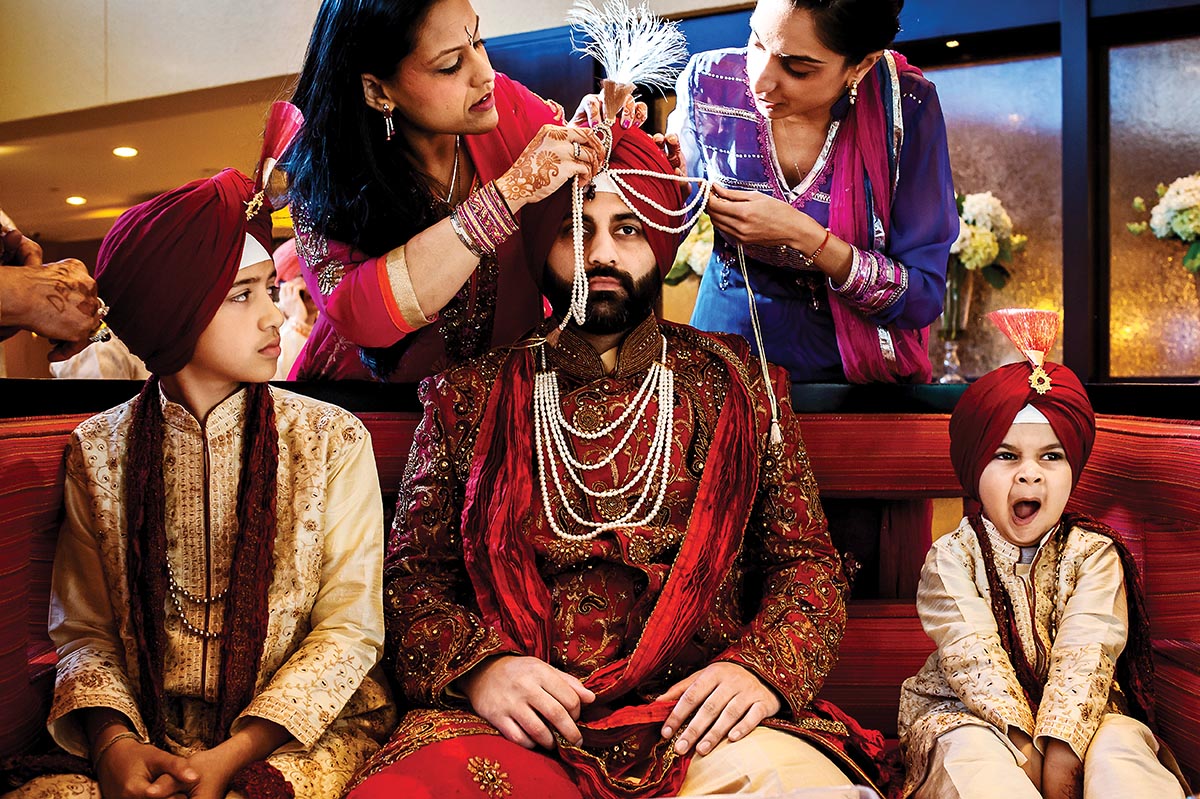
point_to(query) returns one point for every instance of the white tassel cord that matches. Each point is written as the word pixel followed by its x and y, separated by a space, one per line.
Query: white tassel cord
pixel 776 431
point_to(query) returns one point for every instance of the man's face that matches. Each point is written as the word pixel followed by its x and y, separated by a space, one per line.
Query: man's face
pixel 623 278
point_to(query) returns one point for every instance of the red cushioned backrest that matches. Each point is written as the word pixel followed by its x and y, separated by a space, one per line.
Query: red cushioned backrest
pixel 31 462
pixel 1143 479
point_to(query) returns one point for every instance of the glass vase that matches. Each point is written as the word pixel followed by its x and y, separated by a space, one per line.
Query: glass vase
pixel 960 282
pixel 951 365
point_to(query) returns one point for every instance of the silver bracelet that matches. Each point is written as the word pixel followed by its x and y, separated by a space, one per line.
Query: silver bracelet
pixel 466 240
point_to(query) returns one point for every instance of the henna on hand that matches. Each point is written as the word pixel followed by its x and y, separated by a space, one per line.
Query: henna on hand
pixel 528 175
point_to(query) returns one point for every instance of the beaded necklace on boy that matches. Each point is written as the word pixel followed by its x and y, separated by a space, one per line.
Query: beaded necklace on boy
pixel 178 593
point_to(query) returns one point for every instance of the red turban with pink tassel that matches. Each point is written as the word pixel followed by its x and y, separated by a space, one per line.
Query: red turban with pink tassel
pixel 986 410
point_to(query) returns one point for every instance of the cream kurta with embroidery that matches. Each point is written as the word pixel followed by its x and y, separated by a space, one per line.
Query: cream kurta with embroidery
pixel 325 632
pixel 1072 619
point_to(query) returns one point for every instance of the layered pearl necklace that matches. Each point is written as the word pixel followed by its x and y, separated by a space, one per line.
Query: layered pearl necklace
pixel 554 455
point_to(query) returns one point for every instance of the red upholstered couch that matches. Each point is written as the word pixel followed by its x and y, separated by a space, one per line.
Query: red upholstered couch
pixel 1143 478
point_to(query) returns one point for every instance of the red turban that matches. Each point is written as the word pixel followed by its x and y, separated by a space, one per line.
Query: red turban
pixel 986 410
pixel 287 263
pixel 166 265
pixel 634 149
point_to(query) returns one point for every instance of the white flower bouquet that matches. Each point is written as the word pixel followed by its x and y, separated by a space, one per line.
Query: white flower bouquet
pixel 985 237
pixel 986 243
pixel 693 253
pixel 1176 215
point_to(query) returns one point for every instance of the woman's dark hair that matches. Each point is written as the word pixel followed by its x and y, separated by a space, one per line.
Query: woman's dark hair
pixel 854 28
pixel 344 177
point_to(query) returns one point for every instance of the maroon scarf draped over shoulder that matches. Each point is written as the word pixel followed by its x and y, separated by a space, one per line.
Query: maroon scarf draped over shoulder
pixel 244 626
pixel 1135 666
pixel 514 599
pixel 865 163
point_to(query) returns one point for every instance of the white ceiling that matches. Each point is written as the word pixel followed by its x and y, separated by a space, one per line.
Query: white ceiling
pixel 179 138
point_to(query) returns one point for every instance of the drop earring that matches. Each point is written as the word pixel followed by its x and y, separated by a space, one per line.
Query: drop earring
pixel 389 127
pixel 853 91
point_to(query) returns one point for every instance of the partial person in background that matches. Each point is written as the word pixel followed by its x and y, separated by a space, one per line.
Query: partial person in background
pixel 407 184
pixel 832 174
pixel 56 300
pixel 832 171
pixel 297 305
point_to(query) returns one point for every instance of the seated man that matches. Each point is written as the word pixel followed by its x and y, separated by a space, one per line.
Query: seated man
pixel 603 578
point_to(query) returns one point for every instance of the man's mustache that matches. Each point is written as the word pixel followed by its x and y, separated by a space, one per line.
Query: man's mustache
pixel 604 270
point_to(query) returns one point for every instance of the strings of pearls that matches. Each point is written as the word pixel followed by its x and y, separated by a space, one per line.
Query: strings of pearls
pixel 177 591
pixel 554 454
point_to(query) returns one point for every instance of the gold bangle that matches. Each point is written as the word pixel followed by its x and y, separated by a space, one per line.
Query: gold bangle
pixel 108 745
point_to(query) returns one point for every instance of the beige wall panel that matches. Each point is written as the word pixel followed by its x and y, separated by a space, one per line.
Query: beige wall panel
pixel 158 48
pixel 53 57
pixel 75 54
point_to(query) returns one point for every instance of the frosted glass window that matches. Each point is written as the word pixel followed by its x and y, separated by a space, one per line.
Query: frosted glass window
pixel 1155 137
pixel 1004 124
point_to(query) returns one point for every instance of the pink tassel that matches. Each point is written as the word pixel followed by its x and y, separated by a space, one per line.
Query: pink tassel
pixel 284 121
pixel 1033 332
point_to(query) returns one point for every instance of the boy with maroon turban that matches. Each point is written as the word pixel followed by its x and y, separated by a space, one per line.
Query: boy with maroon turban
pixel 1041 682
pixel 657 626
pixel 217 587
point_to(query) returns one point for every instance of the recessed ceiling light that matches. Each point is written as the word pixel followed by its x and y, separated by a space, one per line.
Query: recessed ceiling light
pixel 952 43
pixel 75 199
pixel 125 152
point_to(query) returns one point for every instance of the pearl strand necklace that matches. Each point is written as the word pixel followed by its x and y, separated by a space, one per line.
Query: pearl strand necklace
pixel 176 591
pixel 549 425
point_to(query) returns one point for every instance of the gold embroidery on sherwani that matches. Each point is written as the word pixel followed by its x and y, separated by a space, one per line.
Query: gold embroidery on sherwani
pixel 490 778
pixel 603 591
pixel 320 644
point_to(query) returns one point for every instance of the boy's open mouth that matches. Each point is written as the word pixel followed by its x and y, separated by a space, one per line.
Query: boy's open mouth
pixel 1025 509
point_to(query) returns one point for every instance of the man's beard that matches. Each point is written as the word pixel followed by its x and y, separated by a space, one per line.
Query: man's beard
pixel 607 311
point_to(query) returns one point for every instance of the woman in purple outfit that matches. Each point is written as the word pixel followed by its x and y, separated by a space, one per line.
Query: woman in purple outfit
pixel 829 156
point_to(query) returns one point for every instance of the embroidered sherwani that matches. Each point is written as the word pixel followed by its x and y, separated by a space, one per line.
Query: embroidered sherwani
pixel 779 611
pixel 325 631
pixel 1072 620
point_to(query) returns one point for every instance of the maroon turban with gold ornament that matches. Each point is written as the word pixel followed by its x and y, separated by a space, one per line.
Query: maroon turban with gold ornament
pixel 987 409
pixel 166 265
